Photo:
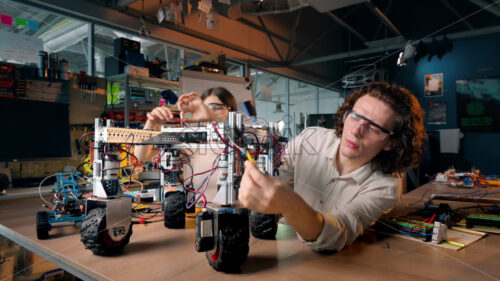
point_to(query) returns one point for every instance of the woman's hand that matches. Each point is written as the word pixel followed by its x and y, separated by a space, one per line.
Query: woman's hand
pixel 192 103
pixel 158 116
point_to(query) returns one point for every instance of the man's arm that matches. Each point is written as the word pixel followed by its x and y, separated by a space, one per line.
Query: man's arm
pixel 347 221
pixel 331 230
pixel 265 194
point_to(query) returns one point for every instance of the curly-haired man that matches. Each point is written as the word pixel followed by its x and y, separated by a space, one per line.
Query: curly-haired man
pixel 344 179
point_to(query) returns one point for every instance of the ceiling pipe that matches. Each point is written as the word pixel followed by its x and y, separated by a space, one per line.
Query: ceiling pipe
pixel 488 6
pixel 458 35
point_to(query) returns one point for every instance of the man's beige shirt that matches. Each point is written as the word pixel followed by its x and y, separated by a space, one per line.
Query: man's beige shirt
pixel 348 203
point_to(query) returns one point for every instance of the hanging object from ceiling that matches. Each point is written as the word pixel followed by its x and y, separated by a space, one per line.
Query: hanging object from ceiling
pixel 422 51
pixel 278 109
pixel 408 52
pixel 261 7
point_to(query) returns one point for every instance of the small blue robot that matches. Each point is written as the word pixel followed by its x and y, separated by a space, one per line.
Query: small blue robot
pixel 67 205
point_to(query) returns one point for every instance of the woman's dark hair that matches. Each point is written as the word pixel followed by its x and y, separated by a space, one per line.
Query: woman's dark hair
pixel 409 132
pixel 224 95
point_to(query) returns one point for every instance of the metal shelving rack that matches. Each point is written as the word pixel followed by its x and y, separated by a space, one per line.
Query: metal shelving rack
pixel 140 82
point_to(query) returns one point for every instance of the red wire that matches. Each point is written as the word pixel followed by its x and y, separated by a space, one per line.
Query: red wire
pixel 200 173
pixel 158 159
pixel 223 140
pixel 80 140
pixel 202 196
pixel 429 220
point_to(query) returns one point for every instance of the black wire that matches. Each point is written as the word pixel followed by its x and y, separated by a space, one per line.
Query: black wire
pixel 256 137
pixel 114 157
pixel 81 165
pixel 192 172
pixel 421 199
pixel 118 168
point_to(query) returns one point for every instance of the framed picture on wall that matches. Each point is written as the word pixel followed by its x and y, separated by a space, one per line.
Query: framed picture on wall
pixel 433 85
pixel 437 113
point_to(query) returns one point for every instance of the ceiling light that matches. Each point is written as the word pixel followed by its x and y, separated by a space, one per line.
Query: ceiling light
pixel 406 54
pixel 278 108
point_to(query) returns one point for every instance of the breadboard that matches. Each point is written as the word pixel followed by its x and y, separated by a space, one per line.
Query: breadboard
pixel 135 136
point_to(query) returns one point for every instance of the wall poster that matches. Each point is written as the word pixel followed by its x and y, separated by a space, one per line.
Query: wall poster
pixel 437 113
pixel 433 85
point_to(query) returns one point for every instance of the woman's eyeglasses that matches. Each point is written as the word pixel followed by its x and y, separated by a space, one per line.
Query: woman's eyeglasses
pixel 217 106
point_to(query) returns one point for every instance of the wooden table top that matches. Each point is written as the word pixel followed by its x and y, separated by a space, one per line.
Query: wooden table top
pixel 158 253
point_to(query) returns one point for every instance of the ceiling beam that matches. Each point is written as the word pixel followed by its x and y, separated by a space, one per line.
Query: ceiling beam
pixel 488 6
pixel 270 38
pixel 379 27
pixel 259 28
pixel 294 33
pixel 128 22
pixel 312 43
pixel 457 14
pixel 383 17
pixel 124 3
pixel 458 35
pixel 346 26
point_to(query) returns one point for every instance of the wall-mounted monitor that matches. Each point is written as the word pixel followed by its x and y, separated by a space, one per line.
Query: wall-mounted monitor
pixel 478 104
pixel 33 130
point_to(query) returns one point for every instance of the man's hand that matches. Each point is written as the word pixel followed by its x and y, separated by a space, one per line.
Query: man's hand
pixel 193 104
pixel 263 193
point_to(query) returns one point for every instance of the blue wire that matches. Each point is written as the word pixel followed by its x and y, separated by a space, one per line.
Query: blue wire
pixel 415 234
pixel 486 194
pixel 454 193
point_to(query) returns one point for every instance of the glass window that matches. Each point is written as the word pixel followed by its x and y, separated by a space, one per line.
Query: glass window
pixel 190 58
pixel 302 103
pixel 57 34
pixel 235 69
pixel 329 101
pixel 270 94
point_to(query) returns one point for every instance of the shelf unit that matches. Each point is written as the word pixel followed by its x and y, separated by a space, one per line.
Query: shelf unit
pixel 139 82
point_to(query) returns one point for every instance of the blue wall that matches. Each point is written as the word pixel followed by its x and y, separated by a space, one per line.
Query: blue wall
pixel 475 57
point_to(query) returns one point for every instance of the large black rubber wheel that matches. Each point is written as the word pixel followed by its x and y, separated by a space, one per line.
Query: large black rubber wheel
pixel 174 210
pixel 232 245
pixel 42 225
pixel 263 226
pixel 95 236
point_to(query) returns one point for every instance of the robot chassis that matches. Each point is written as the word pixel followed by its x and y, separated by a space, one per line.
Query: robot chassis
pixel 66 208
pixel 222 228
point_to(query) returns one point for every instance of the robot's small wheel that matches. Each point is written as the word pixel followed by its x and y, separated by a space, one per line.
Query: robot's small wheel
pixel 174 210
pixel 263 226
pixel 42 225
pixel 96 237
pixel 232 248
